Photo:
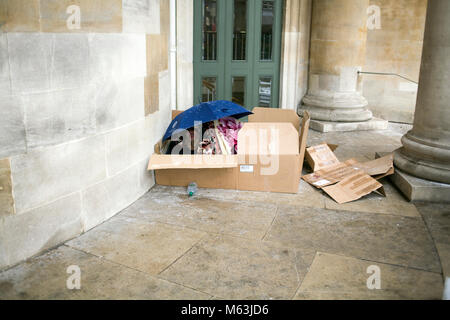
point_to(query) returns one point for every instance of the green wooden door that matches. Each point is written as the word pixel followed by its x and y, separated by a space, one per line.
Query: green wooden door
pixel 237 49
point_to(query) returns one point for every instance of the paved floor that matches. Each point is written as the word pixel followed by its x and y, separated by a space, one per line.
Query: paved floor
pixel 247 245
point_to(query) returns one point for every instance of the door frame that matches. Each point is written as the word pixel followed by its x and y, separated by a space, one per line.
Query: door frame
pixel 294 69
pixel 224 68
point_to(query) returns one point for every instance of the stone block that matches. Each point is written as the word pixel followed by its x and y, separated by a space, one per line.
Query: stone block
pixel 325 126
pixel 5 81
pixel 19 16
pixel 46 174
pixel 105 199
pixel 157 125
pixel 116 56
pixel 40 62
pixel 12 129
pixel 69 58
pixel 6 196
pixel 22 236
pixel 151 93
pixel 416 189
pixel 96 15
pixel 30 61
pixel 146 178
pixel 119 103
pixel 59 116
pixel 128 145
pixel 164 14
pixel 141 16
pixel 157 47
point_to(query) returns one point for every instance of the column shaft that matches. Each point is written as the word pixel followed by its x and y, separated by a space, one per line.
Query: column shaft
pixel 337 53
pixel 426 148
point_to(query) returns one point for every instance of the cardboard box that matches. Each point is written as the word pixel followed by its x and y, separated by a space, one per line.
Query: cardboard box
pixel 346 181
pixel 321 156
pixel 270 157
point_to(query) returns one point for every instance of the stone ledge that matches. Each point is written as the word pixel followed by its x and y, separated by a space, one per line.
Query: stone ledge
pixel 416 189
pixel 325 126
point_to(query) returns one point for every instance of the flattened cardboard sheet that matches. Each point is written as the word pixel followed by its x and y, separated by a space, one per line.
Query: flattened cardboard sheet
pixel 331 175
pixel 353 187
pixel 378 167
pixel 320 157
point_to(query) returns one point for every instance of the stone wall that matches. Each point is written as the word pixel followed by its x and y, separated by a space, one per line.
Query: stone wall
pixel 80 112
pixel 395 48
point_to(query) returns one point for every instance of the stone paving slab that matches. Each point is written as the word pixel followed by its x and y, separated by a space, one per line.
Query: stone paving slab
pixel 437 218
pixel 384 238
pixel 230 268
pixel 146 246
pixel 333 277
pixel 243 219
pixel 45 277
pixel 393 204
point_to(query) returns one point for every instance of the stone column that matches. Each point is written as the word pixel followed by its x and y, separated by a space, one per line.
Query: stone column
pixel 337 53
pixel 426 148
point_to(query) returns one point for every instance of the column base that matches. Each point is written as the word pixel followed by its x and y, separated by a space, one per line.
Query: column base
pixel 417 189
pixel 421 168
pixel 337 107
pixel 328 126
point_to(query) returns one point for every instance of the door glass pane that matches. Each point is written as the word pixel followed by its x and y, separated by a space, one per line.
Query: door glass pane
pixel 265 91
pixel 240 29
pixel 238 90
pixel 209 85
pixel 209 32
pixel 267 30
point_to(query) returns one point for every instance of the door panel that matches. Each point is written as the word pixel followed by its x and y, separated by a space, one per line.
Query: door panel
pixel 237 48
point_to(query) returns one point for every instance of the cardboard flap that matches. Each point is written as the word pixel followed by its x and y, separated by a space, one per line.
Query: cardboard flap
pixel 159 161
pixel 268 138
pixel 377 167
pixel 304 134
pixel 320 157
pixel 353 187
pixel 175 113
pixel 275 115
pixel 381 176
pixel 333 147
